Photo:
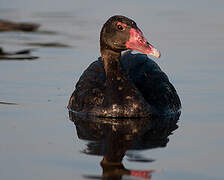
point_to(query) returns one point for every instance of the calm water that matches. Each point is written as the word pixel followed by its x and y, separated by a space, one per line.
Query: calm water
pixel 37 139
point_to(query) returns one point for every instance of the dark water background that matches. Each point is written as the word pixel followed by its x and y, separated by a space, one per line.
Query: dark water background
pixel 37 140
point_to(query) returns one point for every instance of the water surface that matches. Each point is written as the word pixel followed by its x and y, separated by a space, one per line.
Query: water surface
pixel 37 139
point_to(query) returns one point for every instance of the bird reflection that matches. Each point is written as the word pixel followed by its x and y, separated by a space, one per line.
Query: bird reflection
pixel 115 138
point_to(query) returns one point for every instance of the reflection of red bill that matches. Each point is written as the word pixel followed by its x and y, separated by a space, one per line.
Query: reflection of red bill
pixel 138 42
pixel 143 174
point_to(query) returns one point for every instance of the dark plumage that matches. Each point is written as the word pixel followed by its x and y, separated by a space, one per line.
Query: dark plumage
pixel 131 85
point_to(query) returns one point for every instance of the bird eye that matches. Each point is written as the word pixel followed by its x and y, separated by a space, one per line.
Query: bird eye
pixel 120 27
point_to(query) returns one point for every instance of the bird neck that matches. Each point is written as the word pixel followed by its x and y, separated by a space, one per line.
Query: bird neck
pixel 111 62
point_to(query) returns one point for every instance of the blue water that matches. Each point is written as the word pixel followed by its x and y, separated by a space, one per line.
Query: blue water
pixel 37 139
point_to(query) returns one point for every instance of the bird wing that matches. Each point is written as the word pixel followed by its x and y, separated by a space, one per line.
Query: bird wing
pixel 89 88
pixel 151 81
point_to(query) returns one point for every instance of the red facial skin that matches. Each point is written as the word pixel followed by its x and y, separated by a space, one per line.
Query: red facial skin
pixel 138 42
